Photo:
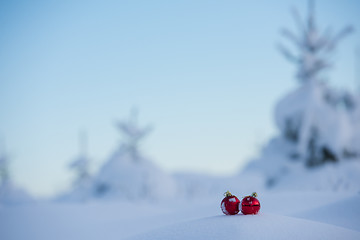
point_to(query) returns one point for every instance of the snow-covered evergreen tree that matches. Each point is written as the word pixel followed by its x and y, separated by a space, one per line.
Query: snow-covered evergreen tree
pixel 81 188
pixel 81 165
pixel 132 135
pixel 355 114
pixel 128 174
pixel 4 169
pixel 9 192
pixel 317 123
pixel 310 116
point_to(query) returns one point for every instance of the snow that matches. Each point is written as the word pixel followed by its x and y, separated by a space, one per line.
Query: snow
pixel 250 227
pixel 306 110
pixel 283 215
pixel 337 213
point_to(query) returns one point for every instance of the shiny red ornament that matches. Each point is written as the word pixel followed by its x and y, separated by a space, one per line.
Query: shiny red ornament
pixel 250 204
pixel 230 204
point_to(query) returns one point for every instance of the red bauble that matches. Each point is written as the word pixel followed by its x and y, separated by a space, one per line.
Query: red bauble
pixel 230 204
pixel 250 204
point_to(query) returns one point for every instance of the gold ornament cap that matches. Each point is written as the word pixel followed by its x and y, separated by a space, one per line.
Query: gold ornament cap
pixel 227 194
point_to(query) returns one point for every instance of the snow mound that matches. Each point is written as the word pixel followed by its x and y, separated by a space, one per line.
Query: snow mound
pixel 262 226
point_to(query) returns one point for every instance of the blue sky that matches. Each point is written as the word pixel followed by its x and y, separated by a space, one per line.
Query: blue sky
pixel 205 74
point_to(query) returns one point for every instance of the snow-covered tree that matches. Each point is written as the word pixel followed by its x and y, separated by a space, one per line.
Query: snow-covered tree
pixel 9 192
pixel 4 169
pixel 310 116
pixel 318 124
pixel 355 114
pixel 132 134
pixel 81 165
pixel 82 184
pixel 128 174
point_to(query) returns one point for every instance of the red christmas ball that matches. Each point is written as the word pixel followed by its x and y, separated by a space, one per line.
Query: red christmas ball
pixel 250 204
pixel 230 204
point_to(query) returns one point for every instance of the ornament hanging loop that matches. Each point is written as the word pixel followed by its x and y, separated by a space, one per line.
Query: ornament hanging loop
pixel 227 194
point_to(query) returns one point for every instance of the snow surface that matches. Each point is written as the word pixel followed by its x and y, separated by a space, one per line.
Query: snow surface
pixel 339 214
pixel 283 215
pixel 263 226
